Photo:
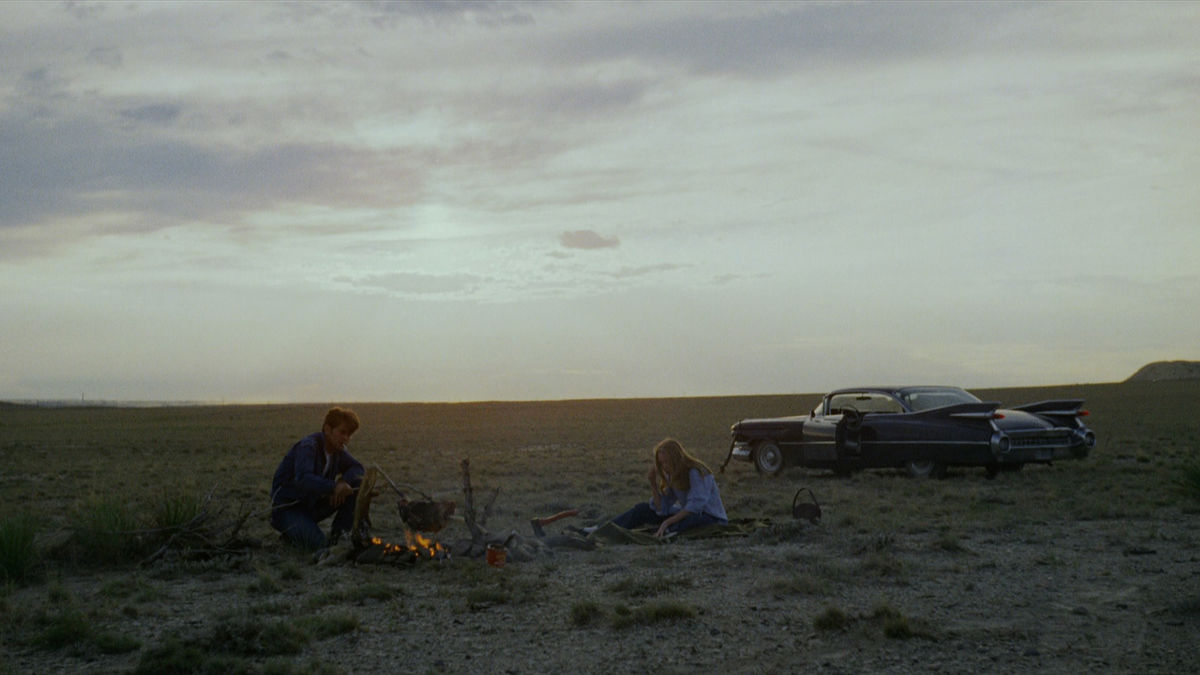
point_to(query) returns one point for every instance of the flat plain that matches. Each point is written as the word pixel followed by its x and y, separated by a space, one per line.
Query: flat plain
pixel 1080 566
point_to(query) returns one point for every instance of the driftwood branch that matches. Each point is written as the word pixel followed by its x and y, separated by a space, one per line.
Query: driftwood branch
pixel 205 534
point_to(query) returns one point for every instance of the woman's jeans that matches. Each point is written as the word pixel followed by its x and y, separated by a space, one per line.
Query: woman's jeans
pixel 643 514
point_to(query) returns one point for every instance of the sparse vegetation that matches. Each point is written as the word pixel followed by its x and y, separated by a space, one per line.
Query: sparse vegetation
pixel 970 556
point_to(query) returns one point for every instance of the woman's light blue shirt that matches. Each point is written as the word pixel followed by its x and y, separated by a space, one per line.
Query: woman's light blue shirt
pixel 701 497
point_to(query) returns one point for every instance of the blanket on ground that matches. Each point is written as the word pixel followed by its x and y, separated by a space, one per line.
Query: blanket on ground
pixel 609 533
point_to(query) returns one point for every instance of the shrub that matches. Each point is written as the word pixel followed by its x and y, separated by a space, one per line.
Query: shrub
pixel 18 557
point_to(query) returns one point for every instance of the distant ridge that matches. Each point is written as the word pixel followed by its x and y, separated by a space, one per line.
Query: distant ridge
pixel 1167 370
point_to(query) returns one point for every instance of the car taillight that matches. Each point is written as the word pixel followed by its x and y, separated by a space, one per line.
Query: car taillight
pixel 1082 413
pixel 997 416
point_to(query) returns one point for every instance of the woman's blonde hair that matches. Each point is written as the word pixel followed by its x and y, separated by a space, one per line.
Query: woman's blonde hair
pixel 679 464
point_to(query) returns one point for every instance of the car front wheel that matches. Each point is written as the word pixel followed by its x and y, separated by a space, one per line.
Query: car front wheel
pixel 925 468
pixel 768 459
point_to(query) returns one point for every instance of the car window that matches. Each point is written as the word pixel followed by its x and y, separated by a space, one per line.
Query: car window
pixel 928 399
pixel 864 402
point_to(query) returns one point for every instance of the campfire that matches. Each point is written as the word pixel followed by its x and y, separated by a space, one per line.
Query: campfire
pixel 416 547
pixel 423 515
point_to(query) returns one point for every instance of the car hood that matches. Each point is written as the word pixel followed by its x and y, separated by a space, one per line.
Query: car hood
pixel 1018 420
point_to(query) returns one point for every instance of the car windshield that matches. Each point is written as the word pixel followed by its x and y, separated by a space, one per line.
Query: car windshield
pixel 928 399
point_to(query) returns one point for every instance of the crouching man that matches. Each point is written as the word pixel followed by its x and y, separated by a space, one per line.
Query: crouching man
pixel 315 480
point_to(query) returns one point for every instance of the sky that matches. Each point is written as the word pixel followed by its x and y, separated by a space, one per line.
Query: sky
pixel 420 201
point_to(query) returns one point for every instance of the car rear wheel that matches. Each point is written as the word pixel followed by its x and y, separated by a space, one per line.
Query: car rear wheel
pixel 925 468
pixel 768 459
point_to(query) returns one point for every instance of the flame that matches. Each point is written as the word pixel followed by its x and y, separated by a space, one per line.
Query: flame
pixel 421 545
pixel 388 548
pixel 416 544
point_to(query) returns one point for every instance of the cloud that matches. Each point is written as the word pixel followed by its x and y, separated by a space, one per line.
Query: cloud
pixel 421 284
pixel 106 56
pixel 587 240
pixel 155 113
pixel 631 272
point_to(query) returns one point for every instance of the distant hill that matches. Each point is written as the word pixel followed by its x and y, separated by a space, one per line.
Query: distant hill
pixel 1167 370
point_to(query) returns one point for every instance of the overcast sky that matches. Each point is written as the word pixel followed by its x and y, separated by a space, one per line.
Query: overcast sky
pixel 422 201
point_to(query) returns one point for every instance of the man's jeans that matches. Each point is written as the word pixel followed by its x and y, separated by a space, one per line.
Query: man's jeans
pixel 298 523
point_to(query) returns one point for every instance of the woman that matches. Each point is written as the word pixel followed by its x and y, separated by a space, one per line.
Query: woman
pixel 683 494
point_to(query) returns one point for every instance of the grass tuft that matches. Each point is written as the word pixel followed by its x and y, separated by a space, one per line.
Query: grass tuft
pixel 585 613
pixel 250 637
pixel 831 619
pixel 105 530
pixel 482 598
pixel 640 588
pixel 176 656
pixel 1189 479
pixel 896 625
pixel 656 613
pixel 18 557
pixel 171 511
pixel 67 627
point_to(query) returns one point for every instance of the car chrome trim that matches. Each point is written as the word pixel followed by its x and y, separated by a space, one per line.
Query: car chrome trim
pixel 1001 444
pixel 990 415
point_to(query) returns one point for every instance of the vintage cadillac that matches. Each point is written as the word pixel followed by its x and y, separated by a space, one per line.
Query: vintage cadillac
pixel 921 429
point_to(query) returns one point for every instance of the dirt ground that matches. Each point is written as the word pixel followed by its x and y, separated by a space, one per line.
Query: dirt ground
pixel 1077 567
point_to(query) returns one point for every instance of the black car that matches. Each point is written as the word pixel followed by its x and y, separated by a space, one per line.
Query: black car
pixel 921 429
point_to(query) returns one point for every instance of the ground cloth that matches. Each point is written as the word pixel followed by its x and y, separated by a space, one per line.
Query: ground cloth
pixel 609 533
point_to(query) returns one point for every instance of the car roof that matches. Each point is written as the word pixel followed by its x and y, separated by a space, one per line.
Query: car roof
pixel 895 390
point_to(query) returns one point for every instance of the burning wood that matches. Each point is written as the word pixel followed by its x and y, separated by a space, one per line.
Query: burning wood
pixel 416 547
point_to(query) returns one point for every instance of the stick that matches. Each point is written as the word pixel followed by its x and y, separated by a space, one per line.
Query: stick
pixel 397 488
pixel 469 494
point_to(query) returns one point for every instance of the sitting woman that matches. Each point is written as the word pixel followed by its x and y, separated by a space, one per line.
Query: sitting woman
pixel 683 494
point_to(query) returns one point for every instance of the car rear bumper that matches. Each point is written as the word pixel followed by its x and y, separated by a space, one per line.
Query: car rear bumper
pixel 1043 445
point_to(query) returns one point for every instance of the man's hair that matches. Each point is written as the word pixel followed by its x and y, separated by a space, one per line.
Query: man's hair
pixel 337 417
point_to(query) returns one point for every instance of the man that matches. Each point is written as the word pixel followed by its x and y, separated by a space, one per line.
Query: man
pixel 316 479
